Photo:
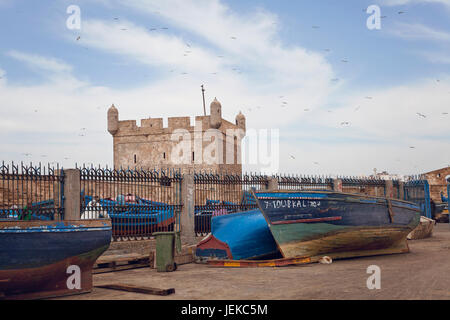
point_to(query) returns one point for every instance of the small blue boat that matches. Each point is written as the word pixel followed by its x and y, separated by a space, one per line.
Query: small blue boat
pixel 37 258
pixel 238 236
pixel 142 217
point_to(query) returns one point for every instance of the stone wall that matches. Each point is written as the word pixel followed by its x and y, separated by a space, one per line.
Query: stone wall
pixel 436 180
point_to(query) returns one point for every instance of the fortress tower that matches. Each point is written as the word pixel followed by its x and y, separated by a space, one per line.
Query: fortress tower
pixel 212 144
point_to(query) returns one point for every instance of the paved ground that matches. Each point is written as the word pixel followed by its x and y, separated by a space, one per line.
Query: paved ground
pixel 424 273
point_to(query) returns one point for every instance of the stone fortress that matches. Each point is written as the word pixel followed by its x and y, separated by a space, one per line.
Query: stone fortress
pixel 213 144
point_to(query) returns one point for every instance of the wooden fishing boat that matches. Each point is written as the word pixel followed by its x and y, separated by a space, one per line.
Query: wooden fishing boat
pixel 423 230
pixel 237 236
pixel 38 258
pixel 338 225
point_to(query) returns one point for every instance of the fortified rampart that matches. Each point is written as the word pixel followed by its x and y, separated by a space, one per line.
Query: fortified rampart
pixel 213 143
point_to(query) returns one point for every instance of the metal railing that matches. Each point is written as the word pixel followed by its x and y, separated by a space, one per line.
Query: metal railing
pixel 139 202
pixel 31 192
pixel 299 182
pixel 364 185
pixel 219 194
pixel 418 191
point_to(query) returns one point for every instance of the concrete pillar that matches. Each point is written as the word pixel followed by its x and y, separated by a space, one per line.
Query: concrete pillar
pixel 389 187
pixel 187 212
pixel 273 184
pixel 72 191
pixel 337 185
pixel 401 190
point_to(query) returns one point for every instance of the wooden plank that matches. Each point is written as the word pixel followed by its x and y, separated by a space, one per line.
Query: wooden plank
pixel 120 258
pixel 132 288
pixel 121 267
pixel 260 263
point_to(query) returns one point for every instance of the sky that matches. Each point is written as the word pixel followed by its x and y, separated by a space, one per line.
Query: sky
pixel 343 99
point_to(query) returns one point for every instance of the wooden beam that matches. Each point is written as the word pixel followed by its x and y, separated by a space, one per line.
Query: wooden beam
pixel 132 288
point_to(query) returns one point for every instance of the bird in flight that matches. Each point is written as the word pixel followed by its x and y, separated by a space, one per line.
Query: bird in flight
pixel 27 154
pixel 344 60
pixel 345 123
pixel 357 108
pixel 123 29
pixel 315 27
pixel 335 79
pixel 412 147
pixel 152 29
pixel 401 12
pixel 292 157
pixel 78 38
pixel 369 98
pixel 306 110
pixel 234 38
pixel 421 115
pixel 444 113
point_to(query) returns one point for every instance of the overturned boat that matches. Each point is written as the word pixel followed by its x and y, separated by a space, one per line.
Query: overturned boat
pixel 338 225
pixel 41 259
pixel 238 236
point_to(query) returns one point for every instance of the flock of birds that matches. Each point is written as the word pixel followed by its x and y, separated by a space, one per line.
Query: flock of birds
pixel 283 104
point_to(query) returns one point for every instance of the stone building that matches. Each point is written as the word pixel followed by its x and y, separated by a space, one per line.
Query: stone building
pixel 436 180
pixel 213 143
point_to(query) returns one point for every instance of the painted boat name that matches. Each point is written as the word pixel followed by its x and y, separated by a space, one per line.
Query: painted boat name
pixel 276 204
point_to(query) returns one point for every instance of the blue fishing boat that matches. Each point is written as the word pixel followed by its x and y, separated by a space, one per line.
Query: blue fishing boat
pixel 338 225
pixel 143 216
pixel 38 258
pixel 238 236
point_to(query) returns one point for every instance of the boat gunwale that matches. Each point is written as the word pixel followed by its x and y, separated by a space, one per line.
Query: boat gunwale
pixel 78 224
pixel 355 195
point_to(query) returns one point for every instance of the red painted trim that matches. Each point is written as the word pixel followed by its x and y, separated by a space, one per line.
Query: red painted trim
pixel 308 220
pixel 212 242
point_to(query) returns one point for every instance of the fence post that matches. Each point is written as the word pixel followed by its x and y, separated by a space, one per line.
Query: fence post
pixel 401 190
pixel 273 184
pixel 187 211
pixel 337 185
pixel 389 187
pixel 72 191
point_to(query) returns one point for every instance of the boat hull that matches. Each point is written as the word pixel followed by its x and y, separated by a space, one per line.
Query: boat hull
pixel 238 236
pixel 311 224
pixel 46 259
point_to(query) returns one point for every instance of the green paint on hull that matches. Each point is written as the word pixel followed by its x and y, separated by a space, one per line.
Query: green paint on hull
pixel 309 240
pixel 284 233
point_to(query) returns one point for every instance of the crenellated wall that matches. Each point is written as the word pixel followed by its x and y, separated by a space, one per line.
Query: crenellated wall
pixel 153 146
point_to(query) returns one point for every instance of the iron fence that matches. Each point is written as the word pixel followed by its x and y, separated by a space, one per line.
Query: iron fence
pixel 31 192
pixel 299 182
pixel 418 191
pixel 138 202
pixel 364 185
pixel 219 194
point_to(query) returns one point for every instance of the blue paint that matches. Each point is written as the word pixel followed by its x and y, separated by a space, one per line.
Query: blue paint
pixel 41 246
pixel 143 213
pixel 418 191
pixel 246 233
pixel 348 210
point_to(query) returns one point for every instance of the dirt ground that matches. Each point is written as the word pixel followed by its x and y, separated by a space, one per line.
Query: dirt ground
pixel 422 274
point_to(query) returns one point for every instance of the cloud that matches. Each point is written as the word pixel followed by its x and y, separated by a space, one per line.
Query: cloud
pixel 270 82
pixel 405 2
pixel 40 62
pixel 419 32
